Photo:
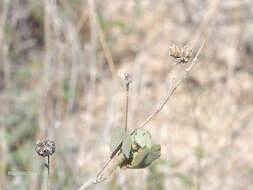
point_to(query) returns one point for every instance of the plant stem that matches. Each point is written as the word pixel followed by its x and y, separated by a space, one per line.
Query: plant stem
pixel 48 164
pixel 127 80
pixel 48 173
pixel 127 92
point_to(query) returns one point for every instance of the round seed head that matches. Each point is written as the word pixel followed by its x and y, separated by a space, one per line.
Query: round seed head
pixel 45 148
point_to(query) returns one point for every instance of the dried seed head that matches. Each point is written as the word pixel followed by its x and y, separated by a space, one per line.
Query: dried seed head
pixel 45 148
pixel 181 54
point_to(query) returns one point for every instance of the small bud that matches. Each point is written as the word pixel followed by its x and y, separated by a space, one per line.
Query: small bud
pixel 127 79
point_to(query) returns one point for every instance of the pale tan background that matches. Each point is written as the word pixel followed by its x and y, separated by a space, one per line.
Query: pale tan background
pixel 56 82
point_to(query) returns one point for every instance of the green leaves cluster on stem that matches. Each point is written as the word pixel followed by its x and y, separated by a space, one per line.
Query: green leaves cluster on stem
pixel 120 136
pixel 137 147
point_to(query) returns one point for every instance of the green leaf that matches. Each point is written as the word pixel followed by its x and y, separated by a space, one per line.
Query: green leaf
pixel 148 140
pixel 139 158
pixel 145 156
pixel 154 154
pixel 126 147
pixel 134 145
pixel 143 138
pixel 118 134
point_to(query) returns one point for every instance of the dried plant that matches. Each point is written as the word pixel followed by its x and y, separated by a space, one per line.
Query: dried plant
pixel 63 59
pixel 121 158
pixel 46 148
pixel 181 54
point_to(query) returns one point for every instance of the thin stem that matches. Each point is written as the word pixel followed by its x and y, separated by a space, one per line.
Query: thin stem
pixel 48 164
pixel 48 173
pixel 127 92
pixel 174 86
pixel 99 178
pixel 104 166
pixel 127 80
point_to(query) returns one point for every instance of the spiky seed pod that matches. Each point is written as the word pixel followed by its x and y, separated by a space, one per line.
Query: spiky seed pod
pixel 181 54
pixel 45 148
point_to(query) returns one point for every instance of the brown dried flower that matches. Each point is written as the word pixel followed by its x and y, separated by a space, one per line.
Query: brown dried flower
pixel 181 54
pixel 45 148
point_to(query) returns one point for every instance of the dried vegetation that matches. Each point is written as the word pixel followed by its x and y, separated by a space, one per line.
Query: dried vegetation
pixel 60 63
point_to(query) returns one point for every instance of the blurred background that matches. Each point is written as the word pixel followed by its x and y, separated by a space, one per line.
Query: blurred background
pixel 61 63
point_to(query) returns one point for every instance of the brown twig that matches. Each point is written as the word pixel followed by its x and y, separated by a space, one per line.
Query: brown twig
pixel 174 86
pixel 94 21
pixel 127 81
pixel 100 177
pixel 48 173
pixel 104 166
pixel 126 116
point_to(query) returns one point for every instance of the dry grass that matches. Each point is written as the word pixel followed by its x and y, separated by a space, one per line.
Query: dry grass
pixel 59 73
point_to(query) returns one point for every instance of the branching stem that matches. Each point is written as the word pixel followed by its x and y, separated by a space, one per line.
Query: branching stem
pixel 174 86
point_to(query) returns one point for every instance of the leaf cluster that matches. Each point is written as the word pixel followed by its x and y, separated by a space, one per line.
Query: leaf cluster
pixel 137 147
